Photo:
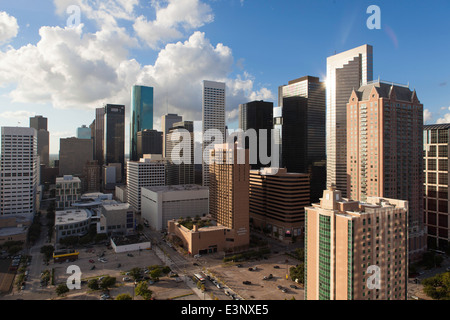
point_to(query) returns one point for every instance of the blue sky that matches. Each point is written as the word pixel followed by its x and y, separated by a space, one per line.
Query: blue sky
pixel 254 46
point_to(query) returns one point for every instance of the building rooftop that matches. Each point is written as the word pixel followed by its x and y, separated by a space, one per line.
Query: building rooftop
pixel 184 187
pixel 442 126
pixel 71 216
pixel 67 178
pixel 116 206
pixel 402 92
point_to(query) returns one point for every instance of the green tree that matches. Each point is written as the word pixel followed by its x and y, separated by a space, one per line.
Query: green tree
pixel 107 282
pixel 93 284
pixel 143 290
pixel 135 273
pixel 155 274
pixel 298 272
pixel 124 296
pixel 61 289
pixel 48 252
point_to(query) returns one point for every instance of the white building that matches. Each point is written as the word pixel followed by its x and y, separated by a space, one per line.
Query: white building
pixel 149 171
pixel 213 117
pixel 74 222
pixel 161 204
pixel 68 191
pixel 19 171
pixel 345 71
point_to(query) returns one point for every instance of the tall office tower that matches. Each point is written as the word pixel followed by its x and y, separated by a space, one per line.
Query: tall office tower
pixel 348 245
pixel 385 151
pixel 141 115
pixel 73 155
pixel 167 122
pixel 91 179
pixel 228 191
pixel 257 115
pixel 345 71
pixel 99 134
pixel 43 137
pixel 92 127
pixel 114 135
pixel 436 196
pixel 149 171
pixel 180 173
pixel 303 134
pixel 18 178
pixel 278 200
pixel 149 142
pixel 84 132
pixel 213 117
pixel 68 191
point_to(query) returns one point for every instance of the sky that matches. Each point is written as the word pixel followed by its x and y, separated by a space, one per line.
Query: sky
pixel 64 58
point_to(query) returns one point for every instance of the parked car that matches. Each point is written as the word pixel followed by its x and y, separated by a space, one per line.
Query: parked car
pixel 126 279
pixel 91 261
pixel 276 267
pixel 247 282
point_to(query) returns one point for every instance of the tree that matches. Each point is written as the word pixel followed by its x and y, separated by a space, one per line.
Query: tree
pixel 62 289
pixel 47 251
pixel 298 272
pixel 155 273
pixel 143 290
pixel 135 273
pixel 107 282
pixel 93 284
pixel 438 287
pixel 124 296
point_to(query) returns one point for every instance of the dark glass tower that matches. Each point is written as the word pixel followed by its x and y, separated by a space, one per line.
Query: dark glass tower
pixel 257 115
pixel 114 135
pixel 149 142
pixel 141 115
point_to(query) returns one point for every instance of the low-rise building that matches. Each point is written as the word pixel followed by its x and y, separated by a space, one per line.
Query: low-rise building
pixel 73 222
pixel 68 191
pixel 163 203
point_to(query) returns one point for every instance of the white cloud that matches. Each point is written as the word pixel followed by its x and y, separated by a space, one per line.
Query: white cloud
pixel 172 20
pixel 444 119
pixel 8 27
pixel 74 69
pixel 427 115
pixel 17 115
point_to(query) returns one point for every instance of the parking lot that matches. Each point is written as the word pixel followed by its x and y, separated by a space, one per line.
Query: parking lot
pixel 235 274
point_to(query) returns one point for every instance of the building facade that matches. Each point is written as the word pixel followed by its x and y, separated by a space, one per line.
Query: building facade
pixel 257 115
pixel 43 136
pixel 148 172
pixel 161 204
pixel 74 153
pixel 213 118
pixel 84 132
pixel 356 251
pixel 229 191
pixel 114 135
pixel 277 201
pixel 436 182
pixel 99 134
pixel 384 151
pixel 345 71
pixel 18 171
pixel 180 167
pixel 149 142
pixel 167 122
pixel 141 116
pixel 68 191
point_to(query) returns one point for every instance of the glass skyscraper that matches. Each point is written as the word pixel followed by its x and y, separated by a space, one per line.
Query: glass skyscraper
pixel 114 135
pixel 141 115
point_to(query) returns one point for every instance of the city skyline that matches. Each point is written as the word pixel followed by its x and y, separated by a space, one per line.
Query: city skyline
pixel 234 57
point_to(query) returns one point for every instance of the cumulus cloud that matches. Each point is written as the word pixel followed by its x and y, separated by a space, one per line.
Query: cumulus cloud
pixel 8 27
pixel 17 115
pixel 427 115
pixel 172 20
pixel 75 69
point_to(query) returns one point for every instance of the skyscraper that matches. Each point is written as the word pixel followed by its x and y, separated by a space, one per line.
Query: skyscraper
pixel 345 71
pixel 141 115
pixel 350 245
pixel 213 118
pixel 278 200
pixel 149 142
pixel 84 132
pixel 19 171
pixel 228 191
pixel 167 122
pixel 74 153
pixel 257 115
pixel 436 183
pixel 180 173
pixel 43 138
pixel 114 135
pixel 99 134
pixel 385 151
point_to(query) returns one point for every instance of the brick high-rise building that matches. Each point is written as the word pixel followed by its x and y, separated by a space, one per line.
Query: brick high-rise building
pixel 384 151
pixel 349 245
pixel 278 200
pixel 229 175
